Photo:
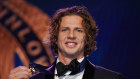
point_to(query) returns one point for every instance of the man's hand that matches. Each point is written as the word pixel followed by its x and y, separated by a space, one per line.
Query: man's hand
pixel 20 72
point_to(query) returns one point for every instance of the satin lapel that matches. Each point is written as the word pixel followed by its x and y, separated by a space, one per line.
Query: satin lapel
pixel 89 70
pixel 51 69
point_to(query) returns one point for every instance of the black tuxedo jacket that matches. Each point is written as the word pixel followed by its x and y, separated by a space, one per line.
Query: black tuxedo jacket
pixel 91 72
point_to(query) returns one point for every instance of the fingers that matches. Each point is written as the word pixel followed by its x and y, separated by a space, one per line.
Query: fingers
pixel 20 68
pixel 22 76
pixel 20 72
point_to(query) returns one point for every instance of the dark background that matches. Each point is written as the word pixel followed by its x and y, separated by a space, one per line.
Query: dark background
pixel 119 31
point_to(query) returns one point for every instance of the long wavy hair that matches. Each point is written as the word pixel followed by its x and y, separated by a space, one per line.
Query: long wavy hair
pixel 88 24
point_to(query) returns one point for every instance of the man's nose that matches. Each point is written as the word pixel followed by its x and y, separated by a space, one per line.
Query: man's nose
pixel 71 35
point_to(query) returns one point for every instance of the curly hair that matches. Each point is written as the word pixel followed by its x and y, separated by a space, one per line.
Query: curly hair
pixel 88 24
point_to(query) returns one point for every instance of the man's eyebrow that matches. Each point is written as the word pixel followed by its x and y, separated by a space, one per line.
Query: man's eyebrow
pixel 64 27
pixel 79 28
pixel 74 28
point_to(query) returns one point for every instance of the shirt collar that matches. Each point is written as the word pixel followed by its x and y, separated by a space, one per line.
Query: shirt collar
pixel 80 60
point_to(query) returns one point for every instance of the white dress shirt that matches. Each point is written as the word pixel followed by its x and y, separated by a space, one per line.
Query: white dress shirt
pixel 67 76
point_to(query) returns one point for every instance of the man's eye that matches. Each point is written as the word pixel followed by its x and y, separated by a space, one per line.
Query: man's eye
pixel 79 30
pixel 63 30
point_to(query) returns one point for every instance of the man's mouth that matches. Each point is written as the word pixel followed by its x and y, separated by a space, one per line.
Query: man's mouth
pixel 71 44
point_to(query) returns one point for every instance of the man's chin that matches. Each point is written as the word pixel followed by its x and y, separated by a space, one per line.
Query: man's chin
pixel 71 55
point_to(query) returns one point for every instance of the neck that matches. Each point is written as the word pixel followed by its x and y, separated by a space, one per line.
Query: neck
pixel 66 60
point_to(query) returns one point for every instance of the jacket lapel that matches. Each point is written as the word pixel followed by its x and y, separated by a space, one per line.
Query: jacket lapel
pixel 51 69
pixel 89 70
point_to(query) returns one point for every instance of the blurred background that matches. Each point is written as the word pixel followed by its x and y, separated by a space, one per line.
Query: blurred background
pixel 24 30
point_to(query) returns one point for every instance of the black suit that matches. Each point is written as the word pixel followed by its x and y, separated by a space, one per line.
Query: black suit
pixel 91 72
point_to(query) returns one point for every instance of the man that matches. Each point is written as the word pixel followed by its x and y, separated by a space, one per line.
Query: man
pixel 73 31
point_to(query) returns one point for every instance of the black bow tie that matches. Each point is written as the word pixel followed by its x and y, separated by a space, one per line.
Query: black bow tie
pixel 74 66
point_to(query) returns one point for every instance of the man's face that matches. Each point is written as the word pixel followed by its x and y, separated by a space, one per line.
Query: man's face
pixel 71 37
